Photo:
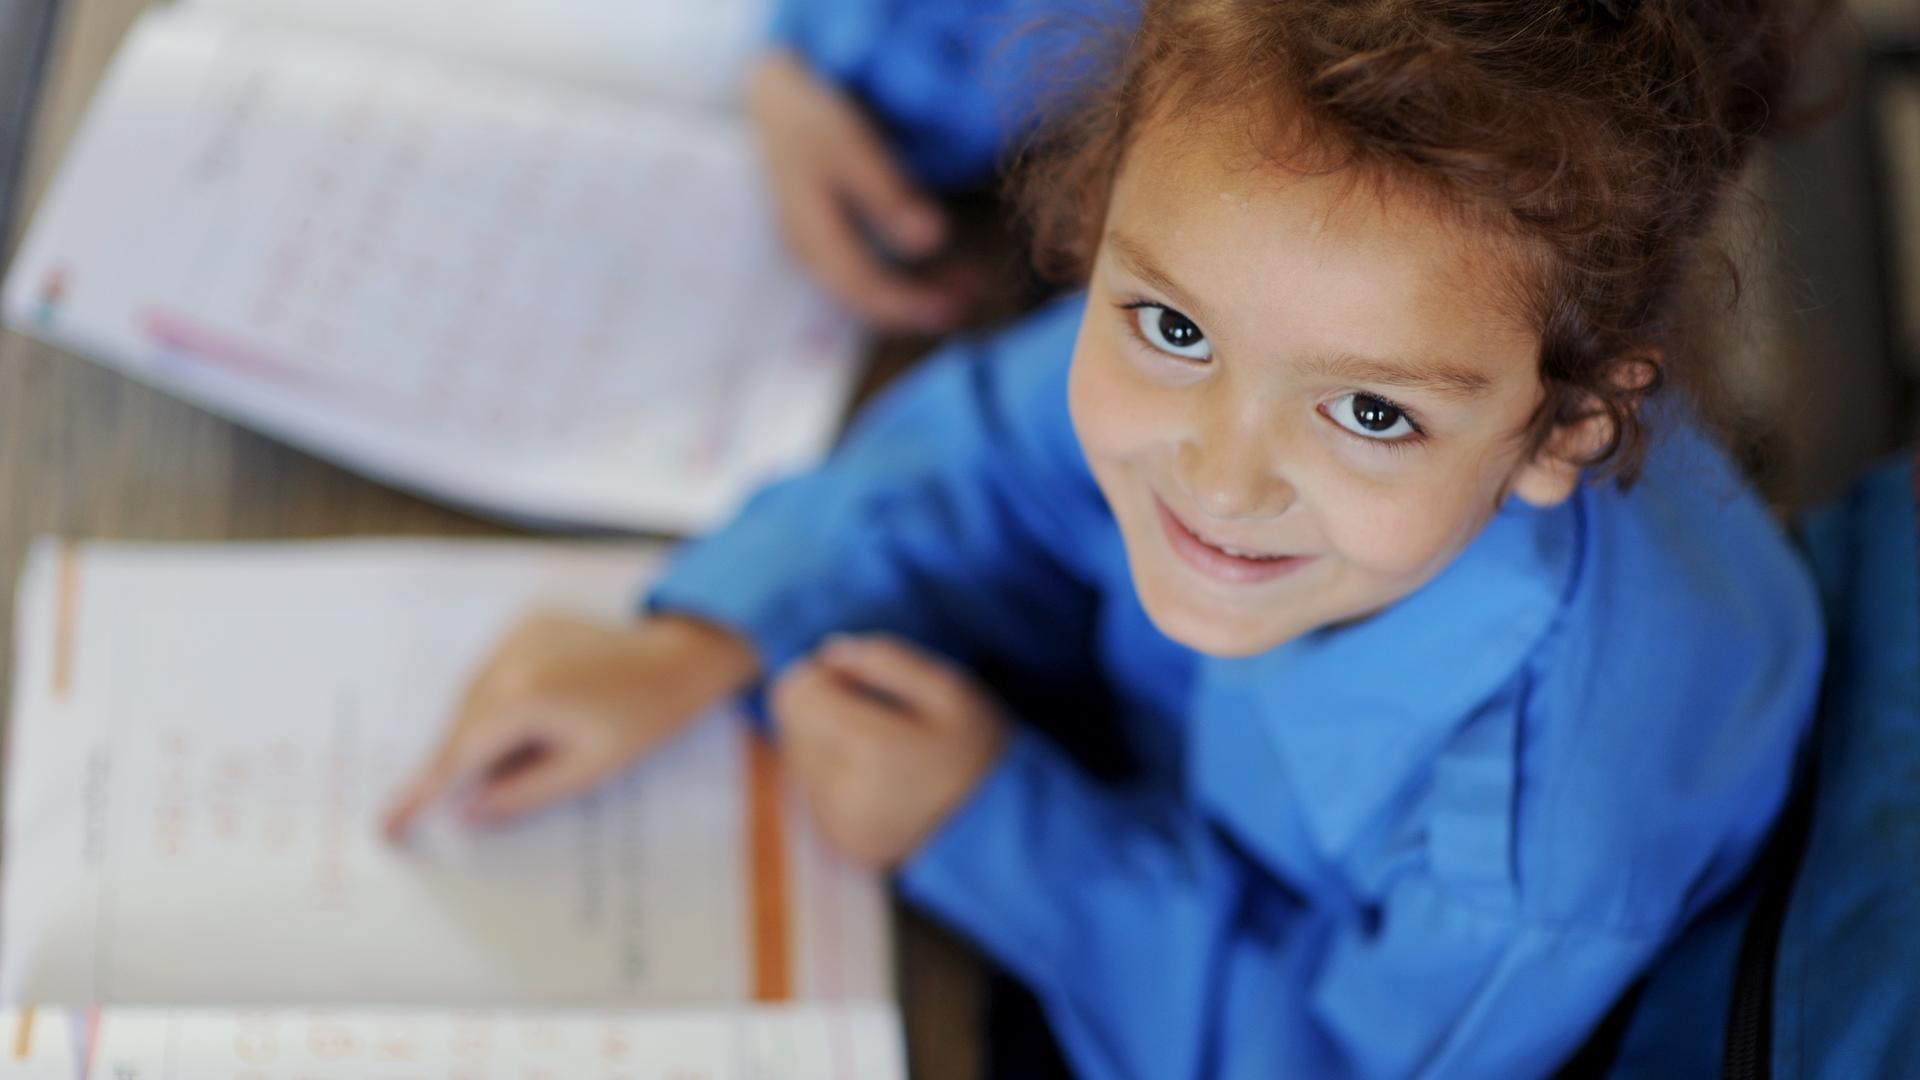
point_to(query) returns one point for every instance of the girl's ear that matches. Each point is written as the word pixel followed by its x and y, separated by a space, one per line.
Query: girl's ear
pixel 1553 474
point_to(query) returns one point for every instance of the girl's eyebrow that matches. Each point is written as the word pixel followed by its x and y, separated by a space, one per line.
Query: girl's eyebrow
pixel 1440 377
pixel 1436 377
pixel 1135 256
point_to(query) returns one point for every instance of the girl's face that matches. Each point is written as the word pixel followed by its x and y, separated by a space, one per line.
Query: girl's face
pixel 1300 404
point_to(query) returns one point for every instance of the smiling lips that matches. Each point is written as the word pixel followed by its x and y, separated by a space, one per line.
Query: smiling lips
pixel 1220 562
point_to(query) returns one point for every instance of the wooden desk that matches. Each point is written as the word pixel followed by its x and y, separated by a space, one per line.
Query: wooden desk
pixel 85 453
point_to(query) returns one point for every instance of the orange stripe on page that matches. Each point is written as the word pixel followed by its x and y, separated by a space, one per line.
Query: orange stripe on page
pixel 767 875
pixel 23 1035
pixel 66 600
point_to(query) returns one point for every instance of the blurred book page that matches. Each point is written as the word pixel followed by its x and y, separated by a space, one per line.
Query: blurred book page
pixel 534 304
pixel 203 740
pixel 43 1044
pixel 696 53
pixel 789 1042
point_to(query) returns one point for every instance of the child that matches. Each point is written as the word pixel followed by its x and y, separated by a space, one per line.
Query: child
pixel 1456 669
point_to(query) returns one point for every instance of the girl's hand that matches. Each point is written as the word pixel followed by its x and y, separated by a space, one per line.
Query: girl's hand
pixel 563 704
pixel 830 166
pixel 885 741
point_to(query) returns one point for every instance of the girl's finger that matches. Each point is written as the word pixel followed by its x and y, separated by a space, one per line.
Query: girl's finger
pixel 816 703
pixel 477 742
pixel 923 683
pixel 542 779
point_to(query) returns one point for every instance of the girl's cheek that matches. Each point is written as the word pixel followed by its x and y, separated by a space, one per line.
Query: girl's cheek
pixel 1115 413
pixel 1396 534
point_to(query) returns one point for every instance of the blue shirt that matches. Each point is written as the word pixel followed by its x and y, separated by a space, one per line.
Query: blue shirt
pixel 954 83
pixel 1437 841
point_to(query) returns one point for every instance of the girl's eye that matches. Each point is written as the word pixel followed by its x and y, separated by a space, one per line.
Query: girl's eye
pixel 1171 332
pixel 1372 418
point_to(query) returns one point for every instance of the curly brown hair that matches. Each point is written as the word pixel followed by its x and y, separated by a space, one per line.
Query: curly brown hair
pixel 1603 137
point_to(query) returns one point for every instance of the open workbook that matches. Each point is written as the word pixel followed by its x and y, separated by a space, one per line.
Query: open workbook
pixel 202 740
pixel 515 254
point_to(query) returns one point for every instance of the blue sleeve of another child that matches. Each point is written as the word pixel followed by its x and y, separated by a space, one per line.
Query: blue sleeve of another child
pixel 949 516
pixel 955 83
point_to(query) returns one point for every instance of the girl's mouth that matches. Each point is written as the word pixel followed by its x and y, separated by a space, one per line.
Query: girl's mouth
pixel 1220 562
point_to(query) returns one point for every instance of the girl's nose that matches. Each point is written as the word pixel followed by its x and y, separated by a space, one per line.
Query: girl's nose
pixel 1229 475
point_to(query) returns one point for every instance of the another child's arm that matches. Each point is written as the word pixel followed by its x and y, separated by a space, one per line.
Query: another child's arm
pixel 949 81
pixel 835 181
pixel 865 107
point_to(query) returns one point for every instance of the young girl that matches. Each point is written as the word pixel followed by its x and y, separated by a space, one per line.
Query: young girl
pixel 1455 669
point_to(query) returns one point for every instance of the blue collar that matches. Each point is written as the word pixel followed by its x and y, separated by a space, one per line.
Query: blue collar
pixel 1353 712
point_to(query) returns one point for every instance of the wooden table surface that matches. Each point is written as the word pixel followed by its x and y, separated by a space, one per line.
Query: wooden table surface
pixel 86 453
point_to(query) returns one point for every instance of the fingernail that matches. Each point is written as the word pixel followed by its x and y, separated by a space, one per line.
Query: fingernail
pixel 917 229
pixel 394 821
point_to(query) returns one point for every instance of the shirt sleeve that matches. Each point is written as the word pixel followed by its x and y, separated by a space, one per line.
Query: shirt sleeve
pixel 1159 949
pixel 954 83
pixel 948 516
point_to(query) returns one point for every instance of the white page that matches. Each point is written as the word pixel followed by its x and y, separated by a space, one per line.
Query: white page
pixel 535 304
pixel 42 1044
pixel 791 1042
pixel 204 737
pixel 694 51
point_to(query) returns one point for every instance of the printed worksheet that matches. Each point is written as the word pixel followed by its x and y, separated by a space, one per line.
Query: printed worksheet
pixel 203 738
pixel 697 53
pixel 766 1042
pixel 536 302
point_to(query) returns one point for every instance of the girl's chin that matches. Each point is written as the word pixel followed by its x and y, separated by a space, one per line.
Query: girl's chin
pixel 1211 629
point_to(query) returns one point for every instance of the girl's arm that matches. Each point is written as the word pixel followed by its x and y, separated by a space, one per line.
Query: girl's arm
pixel 957 514
pixel 943 519
pixel 565 702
